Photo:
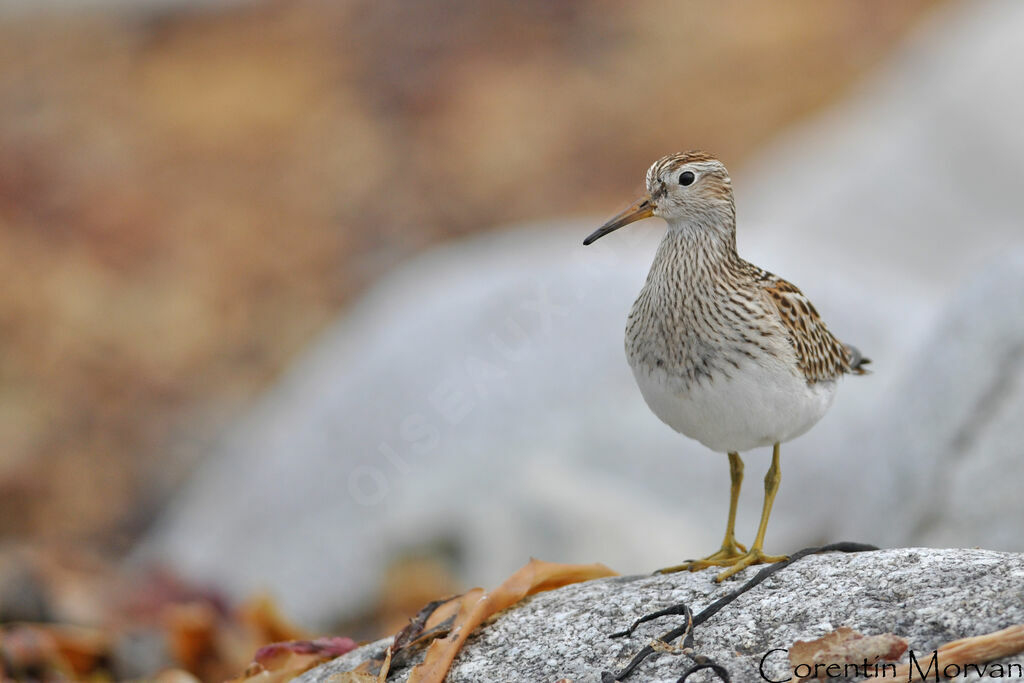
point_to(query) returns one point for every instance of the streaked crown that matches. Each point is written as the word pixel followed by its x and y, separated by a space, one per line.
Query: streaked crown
pixel 690 186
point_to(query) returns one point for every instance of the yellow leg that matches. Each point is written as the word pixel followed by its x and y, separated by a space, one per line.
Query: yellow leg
pixel 756 554
pixel 731 550
pixel 736 475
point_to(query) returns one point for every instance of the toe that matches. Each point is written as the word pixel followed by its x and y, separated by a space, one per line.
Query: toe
pixel 752 557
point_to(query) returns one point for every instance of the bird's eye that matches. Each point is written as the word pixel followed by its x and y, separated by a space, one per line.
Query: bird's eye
pixel 687 178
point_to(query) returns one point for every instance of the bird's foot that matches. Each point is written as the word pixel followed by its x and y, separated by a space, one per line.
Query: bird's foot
pixel 755 556
pixel 730 552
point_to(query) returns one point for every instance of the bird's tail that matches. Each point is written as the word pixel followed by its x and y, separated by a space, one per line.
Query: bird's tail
pixel 857 361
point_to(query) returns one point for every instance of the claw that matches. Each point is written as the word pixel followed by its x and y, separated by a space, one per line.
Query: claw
pixel 730 552
pixel 755 556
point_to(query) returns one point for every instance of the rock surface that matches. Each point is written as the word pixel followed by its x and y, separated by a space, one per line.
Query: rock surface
pixel 929 597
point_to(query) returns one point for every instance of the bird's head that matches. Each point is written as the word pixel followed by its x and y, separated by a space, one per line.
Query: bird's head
pixel 689 188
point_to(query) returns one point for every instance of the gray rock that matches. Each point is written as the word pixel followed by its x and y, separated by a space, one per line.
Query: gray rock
pixel 954 458
pixel 929 597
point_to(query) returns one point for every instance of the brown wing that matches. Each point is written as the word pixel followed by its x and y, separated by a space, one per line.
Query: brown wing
pixel 821 356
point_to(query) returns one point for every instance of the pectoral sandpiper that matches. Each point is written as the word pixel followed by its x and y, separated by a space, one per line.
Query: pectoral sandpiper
pixel 723 351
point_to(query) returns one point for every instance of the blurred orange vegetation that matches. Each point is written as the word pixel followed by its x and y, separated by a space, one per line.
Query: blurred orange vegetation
pixel 438 630
pixel 120 627
pixel 188 197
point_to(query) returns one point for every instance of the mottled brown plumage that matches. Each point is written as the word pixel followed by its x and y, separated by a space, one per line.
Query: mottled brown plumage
pixel 821 356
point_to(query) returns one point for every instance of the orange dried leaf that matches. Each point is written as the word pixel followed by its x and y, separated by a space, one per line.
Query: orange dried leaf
pixel 475 607
pixel 437 615
pixel 82 648
pixel 844 646
pixel 976 651
pixel 363 677
pixel 434 620
pixel 191 632
pixel 280 662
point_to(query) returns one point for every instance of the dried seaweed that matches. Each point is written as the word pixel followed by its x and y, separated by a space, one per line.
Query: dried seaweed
pixel 686 630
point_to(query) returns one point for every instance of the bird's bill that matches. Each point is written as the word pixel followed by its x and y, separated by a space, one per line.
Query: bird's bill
pixel 641 208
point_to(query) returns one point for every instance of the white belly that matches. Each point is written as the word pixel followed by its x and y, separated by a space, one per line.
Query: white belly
pixel 758 405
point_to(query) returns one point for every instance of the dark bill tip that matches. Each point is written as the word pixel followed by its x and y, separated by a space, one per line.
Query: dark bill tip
pixel 596 235
pixel 642 208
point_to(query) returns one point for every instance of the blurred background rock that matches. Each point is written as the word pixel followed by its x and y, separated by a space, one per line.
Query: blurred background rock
pixel 191 193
